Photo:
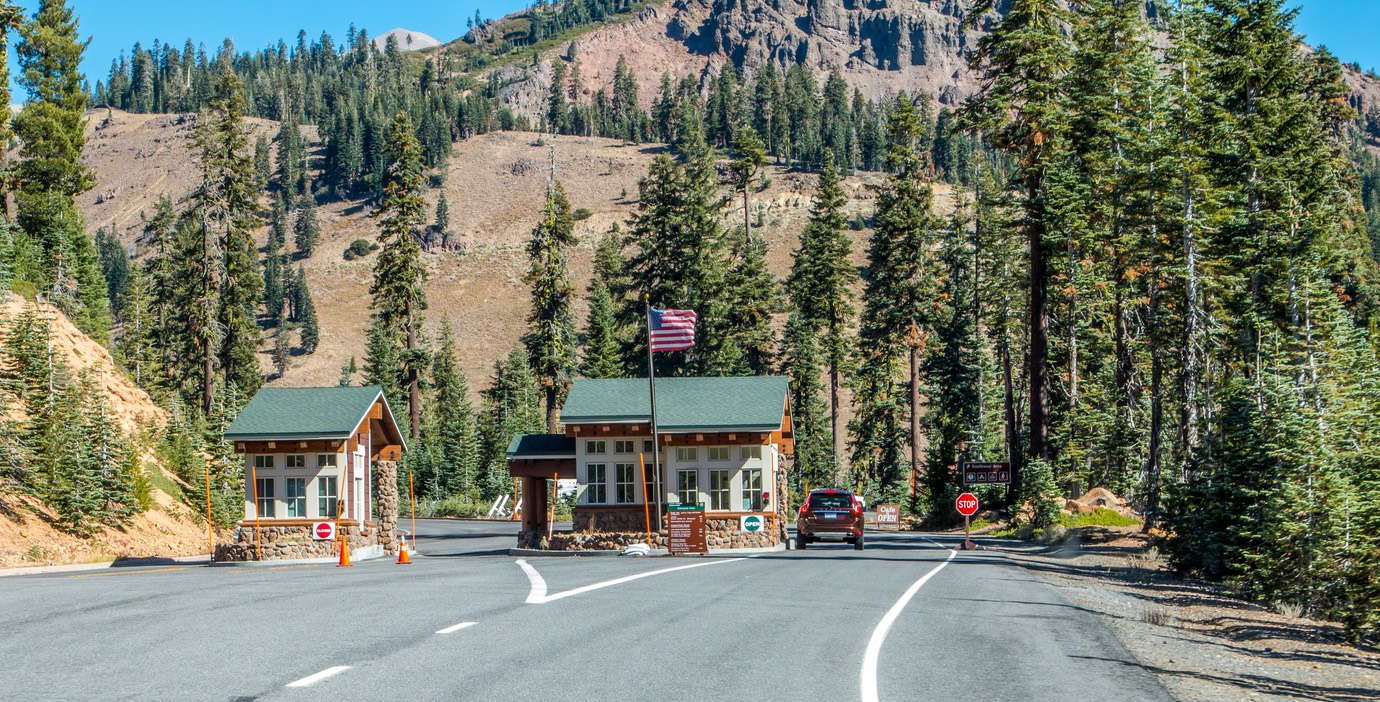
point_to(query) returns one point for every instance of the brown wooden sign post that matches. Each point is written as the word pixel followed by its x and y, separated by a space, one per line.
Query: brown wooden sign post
pixel 967 505
pixel 986 473
pixel 685 530
pixel 889 517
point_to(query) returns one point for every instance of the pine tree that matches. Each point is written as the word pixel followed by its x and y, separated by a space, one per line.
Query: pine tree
pixel 511 408
pixel 311 328
pixel 282 351
pixel 752 294
pixel 381 363
pixel 306 231
pixel 11 18
pixel 820 286
pixel 347 373
pixel 275 283
pixel 550 338
pixel 139 342
pixel 398 298
pixel 226 209
pixel 1022 62
pixel 897 317
pixel 801 359
pixel 443 220
pixel 453 429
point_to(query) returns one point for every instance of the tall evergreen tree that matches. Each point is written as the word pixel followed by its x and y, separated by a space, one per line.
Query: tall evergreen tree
pixel 550 338
pixel 306 231
pixel 399 272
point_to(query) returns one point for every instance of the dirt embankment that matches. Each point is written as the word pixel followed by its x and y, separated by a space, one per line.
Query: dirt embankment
pixel 27 534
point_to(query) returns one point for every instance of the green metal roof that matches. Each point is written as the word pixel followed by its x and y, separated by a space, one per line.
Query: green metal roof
pixel 754 403
pixel 552 445
pixel 303 413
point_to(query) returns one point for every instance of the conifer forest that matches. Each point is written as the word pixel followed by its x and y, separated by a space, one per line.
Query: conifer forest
pixel 1158 274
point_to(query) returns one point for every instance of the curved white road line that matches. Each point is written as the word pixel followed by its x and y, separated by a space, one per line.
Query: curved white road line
pixel 538 594
pixel 874 645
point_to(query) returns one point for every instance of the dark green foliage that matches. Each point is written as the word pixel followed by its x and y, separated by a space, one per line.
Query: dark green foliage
pixel 306 314
pixel 550 338
pixel 512 406
pixel 306 231
pixel 446 462
pixel 815 463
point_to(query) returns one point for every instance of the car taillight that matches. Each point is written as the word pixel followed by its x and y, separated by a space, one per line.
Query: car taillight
pixel 804 509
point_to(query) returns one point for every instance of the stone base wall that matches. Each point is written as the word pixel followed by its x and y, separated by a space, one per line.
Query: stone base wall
pixel 386 495
pixel 290 542
pixel 597 530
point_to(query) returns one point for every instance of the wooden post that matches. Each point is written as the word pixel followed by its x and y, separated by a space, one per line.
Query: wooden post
pixel 516 497
pixel 258 538
pixel 551 513
pixel 210 530
pixel 967 544
pixel 339 507
pixel 412 495
pixel 646 504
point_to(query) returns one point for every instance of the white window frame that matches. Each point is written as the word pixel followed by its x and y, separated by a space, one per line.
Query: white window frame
pixel 718 453
pixel 596 483
pixel 625 446
pixel 687 454
pixel 752 495
pixel 681 489
pixel 596 448
pixel 624 483
pixel 295 460
pixel 721 498
pixel 295 503
pixel 751 453
pixel 264 498
pixel 327 460
pixel 333 496
pixel 263 460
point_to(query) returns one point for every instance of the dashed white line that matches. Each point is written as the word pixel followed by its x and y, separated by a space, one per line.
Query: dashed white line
pixel 538 594
pixel 457 627
pixel 874 645
pixel 318 677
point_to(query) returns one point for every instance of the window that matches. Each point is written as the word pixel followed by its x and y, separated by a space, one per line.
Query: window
pixel 326 496
pixel 598 491
pixel 751 452
pixel 718 453
pixel 326 460
pixel 687 453
pixel 625 478
pixel 718 489
pixel 597 447
pixel 624 447
pixel 752 489
pixel 264 488
pixel 688 487
pixel 647 446
pixel 263 460
pixel 295 460
pixel 296 490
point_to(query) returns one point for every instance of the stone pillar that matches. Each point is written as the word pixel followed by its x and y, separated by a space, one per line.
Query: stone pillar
pixel 386 492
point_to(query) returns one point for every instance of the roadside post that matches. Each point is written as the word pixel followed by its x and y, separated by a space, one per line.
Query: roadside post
pixel 967 505
pixel 646 503
pixel 412 495
pixel 210 528
pixel 685 530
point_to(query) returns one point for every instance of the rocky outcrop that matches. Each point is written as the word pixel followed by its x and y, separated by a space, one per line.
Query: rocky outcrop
pixel 880 46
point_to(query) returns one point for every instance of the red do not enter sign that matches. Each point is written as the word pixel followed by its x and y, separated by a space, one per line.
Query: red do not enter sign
pixel 967 504
pixel 323 531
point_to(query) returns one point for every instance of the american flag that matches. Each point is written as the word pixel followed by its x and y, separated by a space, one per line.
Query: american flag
pixel 672 330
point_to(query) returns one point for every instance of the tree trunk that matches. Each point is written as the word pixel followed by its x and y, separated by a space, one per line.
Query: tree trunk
pixel 414 393
pixel 1152 462
pixel 914 415
pixel 1039 329
pixel 552 417
pixel 835 420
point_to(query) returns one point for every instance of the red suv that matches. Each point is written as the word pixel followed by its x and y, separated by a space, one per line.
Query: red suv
pixel 830 514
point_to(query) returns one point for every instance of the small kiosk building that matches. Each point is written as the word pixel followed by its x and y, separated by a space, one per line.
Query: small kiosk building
pixel 723 442
pixel 307 453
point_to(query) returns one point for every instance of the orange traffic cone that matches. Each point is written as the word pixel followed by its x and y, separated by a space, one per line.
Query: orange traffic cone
pixel 344 554
pixel 403 557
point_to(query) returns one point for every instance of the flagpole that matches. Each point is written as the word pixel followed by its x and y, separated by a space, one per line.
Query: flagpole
pixel 656 443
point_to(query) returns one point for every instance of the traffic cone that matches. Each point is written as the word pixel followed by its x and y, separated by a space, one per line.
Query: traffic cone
pixel 403 557
pixel 344 554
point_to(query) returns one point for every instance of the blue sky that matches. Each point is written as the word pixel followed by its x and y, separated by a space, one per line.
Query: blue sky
pixel 1349 27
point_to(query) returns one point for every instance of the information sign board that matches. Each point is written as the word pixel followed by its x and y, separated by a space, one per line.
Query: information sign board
pixel 987 473
pixel 323 531
pixel 889 517
pixel 685 530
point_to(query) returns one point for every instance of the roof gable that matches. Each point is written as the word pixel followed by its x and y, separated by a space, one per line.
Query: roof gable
pixel 682 404
pixel 305 413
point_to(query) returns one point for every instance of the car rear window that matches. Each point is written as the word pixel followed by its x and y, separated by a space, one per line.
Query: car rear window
pixel 842 500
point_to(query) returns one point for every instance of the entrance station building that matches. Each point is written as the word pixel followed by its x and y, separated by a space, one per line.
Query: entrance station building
pixel 723 441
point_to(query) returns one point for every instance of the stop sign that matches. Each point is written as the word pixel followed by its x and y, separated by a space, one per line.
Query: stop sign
pixel 967 504
pixel 323 531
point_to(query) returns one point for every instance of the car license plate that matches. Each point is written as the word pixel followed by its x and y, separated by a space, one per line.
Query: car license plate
pixel 830 515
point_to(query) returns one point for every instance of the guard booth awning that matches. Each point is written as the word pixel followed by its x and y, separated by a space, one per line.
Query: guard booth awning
pixel 542 456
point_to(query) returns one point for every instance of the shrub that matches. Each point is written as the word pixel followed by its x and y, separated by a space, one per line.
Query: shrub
pixel 581 214
pixel 1098 517
pixel 1041 494
pixel 453 506
pixel 359 248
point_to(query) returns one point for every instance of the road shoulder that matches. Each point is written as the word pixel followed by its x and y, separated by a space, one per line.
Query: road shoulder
pixel 1201 644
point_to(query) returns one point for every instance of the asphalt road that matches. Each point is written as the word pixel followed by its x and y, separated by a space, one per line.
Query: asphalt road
pixel 467 621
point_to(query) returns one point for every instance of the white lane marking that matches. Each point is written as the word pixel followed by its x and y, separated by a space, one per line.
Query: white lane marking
pixel 318 677
pixel 538 594
pixel 457 627
pixel 874 645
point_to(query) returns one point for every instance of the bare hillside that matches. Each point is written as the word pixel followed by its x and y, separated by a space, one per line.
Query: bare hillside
pixel 495 185
pixel 27 537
